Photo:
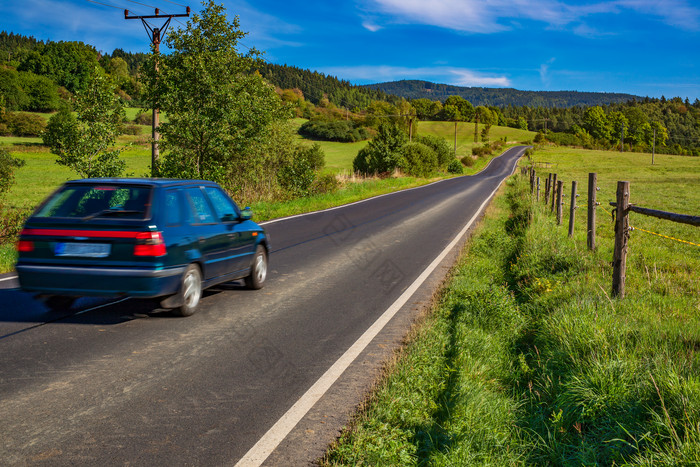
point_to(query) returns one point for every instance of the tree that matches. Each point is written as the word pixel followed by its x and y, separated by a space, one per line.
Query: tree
pixel 218 112
pixel 383 153
pixel 488 118
pixel 466 109
pixel 617 122
pixel 521 123
pixel 596 123
pixel 85 143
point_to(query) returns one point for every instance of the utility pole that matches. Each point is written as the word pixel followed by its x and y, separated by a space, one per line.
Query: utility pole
pixel 155 34
pixel 622 138
pixel 653 148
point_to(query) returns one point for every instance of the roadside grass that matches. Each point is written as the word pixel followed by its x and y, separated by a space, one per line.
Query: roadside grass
pixel 525 358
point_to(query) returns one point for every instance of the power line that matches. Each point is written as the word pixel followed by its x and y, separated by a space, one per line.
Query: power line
pixel 104 4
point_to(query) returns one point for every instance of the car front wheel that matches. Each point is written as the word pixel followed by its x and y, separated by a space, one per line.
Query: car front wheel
pixel 258 271
pixel 190 291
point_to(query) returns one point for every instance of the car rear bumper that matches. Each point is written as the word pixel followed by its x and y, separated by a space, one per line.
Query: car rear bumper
pixel 99 281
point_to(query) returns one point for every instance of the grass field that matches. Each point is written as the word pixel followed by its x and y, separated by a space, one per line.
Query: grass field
pixel 41 175
pixel 526 359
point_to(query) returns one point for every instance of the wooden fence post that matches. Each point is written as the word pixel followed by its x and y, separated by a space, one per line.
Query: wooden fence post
pixel 592 203
pixel 532 180
pixel 572 210
pixel 560 191
pixel 622 225
pixel 547 184
pixel 538 188
pixel 554 191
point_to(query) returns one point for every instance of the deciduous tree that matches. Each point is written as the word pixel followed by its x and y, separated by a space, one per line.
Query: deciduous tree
pixel 217 110
pixel 85 143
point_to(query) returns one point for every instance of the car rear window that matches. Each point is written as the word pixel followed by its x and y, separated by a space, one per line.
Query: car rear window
pixel 98 201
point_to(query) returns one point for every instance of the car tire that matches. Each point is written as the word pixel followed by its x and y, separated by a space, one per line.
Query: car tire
pixel 258 270
pixel 59 302
pixel 190 291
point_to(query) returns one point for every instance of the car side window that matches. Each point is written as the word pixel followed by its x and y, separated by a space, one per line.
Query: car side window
pixel 225 209
pixel 173 208
pixel 203 213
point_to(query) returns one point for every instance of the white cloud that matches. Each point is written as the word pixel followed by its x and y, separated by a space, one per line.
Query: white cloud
pixel 544 72
pixel 480 16
pixel 370 26
pixel 440 74
pixel 675 13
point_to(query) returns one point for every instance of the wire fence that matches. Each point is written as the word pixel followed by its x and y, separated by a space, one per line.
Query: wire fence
pixel 553 199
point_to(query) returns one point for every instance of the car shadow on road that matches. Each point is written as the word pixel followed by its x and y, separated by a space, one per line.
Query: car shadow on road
pixel 24 309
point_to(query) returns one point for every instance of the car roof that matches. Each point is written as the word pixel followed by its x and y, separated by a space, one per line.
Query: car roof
pixel 143 181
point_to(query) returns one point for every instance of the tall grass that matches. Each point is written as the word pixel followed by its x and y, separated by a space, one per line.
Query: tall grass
pixel 526 360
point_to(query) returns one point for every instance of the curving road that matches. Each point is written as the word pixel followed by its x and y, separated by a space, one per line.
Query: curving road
pixel 123 383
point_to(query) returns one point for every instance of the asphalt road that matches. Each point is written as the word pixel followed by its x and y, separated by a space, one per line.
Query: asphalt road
pixel 126 384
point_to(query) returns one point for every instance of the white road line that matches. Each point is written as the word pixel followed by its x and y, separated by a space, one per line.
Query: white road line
pixel 8 278
pixel 274 436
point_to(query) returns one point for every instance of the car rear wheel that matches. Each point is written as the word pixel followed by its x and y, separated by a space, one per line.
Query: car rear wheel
pixel 258 271
pixel 190 291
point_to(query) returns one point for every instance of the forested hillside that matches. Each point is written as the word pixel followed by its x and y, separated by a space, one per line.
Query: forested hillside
pixel 499 97
pixel 39 76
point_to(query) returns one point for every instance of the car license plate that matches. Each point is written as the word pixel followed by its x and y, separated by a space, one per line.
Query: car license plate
pixel 83 250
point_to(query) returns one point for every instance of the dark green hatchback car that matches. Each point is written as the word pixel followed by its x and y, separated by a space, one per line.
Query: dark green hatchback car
pixel 142 238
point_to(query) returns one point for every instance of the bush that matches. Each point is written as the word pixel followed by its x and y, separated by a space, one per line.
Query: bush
pixel 440 146
pixel 23 124
pixel 420 159
pixel 144 118
pixel 455 167
pixel 482 151
pixel 343 131
pixel 8 164
pixel 327 183
pixel 467 161
pixel 12 221
pixel 131 129
pixel 298 176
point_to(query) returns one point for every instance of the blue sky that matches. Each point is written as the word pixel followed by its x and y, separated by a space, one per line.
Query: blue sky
pixel 642 47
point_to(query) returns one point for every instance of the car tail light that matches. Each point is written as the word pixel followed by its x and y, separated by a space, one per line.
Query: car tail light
pixel 149 244
pixel 25 246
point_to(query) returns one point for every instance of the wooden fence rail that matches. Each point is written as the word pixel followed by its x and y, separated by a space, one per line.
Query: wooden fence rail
pixel 554 188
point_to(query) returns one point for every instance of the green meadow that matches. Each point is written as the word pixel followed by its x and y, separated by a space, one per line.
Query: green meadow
pixel 525 357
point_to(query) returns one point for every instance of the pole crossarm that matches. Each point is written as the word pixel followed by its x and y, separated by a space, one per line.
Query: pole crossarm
pixel 157 15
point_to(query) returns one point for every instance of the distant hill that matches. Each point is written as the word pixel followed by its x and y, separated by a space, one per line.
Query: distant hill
pixel 500 97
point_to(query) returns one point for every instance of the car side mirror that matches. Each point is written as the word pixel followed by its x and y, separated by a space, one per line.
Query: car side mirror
pixel 229 218
pixel 246 214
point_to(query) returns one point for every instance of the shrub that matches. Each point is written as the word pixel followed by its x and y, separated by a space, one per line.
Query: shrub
pixel 440 146
pixel 23 124
pixel 144 118
pixel 339 130
pixel 298 176
pixel 455 167
pixel 8 164
pixel 421 160
pixel 468 161
pixel 323 184
pixel 482 151
pixel 12 221
pixel 131 130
